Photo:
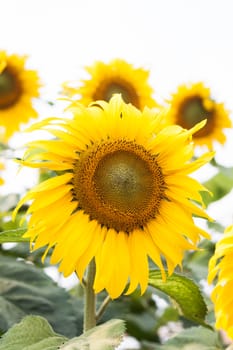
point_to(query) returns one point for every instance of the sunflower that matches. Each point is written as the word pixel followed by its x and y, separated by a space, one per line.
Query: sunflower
pixel 18 86
pixel 193 103
pixel 221 264
pixel 122 193
pixel 116 77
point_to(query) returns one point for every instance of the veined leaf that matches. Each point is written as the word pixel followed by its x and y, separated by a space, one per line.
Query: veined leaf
pixel 26 289
pixel 185 292
pixel 32 333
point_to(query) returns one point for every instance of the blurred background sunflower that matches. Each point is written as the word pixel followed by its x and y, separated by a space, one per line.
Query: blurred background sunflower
pixel 220 266
pixel 192 103
pixel 18 86
pixel 117 76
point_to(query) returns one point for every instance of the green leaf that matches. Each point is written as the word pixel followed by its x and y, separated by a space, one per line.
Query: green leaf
pixel 194 338
pixel 26 289
pixel 220 185
pixel 32 333
pixel 14 235
pixel 104 337
pixel 185 292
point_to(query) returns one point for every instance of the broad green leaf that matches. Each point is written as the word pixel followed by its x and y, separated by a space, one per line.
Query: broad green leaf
pixel 12 311
pixel 26 289
pixel 184 291
pixel 104 337
pixel 13 236
pixel 32 333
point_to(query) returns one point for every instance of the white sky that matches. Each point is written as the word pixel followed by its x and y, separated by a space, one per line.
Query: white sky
pixel 177 40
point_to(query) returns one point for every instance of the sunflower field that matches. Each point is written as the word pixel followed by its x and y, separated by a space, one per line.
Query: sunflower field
pixel 116 175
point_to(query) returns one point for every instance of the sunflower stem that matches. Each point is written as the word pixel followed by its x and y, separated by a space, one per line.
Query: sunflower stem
pixel 90 299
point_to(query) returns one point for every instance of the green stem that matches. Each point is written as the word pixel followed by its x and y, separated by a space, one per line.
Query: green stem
pixel 89 303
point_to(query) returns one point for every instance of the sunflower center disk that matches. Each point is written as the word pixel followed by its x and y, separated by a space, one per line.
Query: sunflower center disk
pixel 192 112
pixel 127 91
pixel 123 181
pixel 10 90
pixel 119 184
pixel 115 88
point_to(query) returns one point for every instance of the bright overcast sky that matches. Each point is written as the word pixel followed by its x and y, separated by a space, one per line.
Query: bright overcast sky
pixel 177 40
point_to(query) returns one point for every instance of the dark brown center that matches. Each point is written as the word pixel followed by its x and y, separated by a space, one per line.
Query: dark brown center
pixel 107 88
pixel 191 112
pixel 10 89
pixel 119 184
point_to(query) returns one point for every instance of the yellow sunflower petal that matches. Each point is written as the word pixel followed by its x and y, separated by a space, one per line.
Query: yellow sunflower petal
pixel 121 266
pixel 139 273
pixel 97 240
pixel 103 270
